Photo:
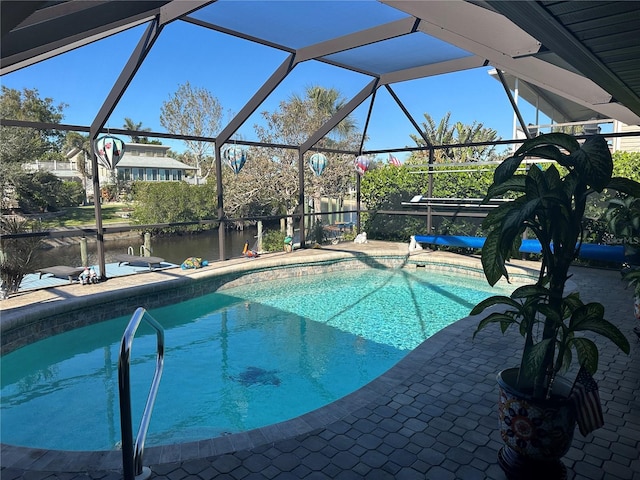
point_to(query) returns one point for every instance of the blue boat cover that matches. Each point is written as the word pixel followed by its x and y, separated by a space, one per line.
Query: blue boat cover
pixel 589 251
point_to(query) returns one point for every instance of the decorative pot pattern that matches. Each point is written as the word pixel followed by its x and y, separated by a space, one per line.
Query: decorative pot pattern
pixel 539 430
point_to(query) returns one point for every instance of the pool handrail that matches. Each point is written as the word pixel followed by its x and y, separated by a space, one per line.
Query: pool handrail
pixel 132 457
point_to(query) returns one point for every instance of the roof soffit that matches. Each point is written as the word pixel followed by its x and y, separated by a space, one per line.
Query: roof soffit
pixel 536 17
pixel 464 24
pixel 473 28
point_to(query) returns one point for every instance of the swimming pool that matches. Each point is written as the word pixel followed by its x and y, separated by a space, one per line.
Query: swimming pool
pixel 235 360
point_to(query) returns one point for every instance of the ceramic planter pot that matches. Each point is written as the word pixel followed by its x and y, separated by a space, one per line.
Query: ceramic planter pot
pixel 536 433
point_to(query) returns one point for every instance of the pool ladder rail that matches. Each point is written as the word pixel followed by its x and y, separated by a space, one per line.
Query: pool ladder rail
pixel 132 455
pixel 143 251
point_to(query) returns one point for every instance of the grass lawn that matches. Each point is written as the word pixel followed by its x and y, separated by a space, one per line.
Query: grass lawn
pixel 85 216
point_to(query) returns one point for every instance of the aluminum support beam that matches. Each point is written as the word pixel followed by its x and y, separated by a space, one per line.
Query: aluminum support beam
pixel 514 104
pixel 409 116
pixel 358 39
pixel 366 122
pixel 440 68
pixel 251 106
pixel 339 115
pixel 301 193
pixel 127 74
pixel 219 193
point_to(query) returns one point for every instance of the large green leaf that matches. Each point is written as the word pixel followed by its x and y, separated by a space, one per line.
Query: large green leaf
pixel 506 169
pixel 495 300
pixel 562 140
pixel 516 218
pixel 587 353
pixel 502 318
pixel 606 329
pixel 548 152
pixel 533 358
pixel 571 303
pixel 514 184
pixel 527 291
pixel 551 314
pixel 552 177
pixel 492 259
pixel 625 185
pixel 586 313
pixel 496 215
pixel 594 163
pixel 535 186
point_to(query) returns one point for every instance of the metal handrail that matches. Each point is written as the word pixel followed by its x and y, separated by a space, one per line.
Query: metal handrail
pixel 132 457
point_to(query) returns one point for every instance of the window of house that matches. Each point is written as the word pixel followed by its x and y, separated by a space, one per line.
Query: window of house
pixel 179 175
pixel 126 173
pixel 138 173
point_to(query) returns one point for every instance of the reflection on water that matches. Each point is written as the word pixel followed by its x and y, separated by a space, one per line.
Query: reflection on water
pixel 174 249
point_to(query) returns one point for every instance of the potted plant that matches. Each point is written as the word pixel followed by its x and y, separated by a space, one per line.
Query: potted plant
pixel 536 412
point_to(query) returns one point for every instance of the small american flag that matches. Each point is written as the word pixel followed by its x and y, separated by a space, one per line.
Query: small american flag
pixel 586 400
pixel 394 161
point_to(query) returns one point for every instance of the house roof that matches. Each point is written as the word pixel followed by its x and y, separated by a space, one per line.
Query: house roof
pixel 141 161
pixel 585 52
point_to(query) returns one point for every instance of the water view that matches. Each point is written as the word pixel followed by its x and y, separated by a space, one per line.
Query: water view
pixel 174 249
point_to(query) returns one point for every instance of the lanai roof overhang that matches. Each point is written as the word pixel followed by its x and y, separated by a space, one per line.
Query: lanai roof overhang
pixel 585 51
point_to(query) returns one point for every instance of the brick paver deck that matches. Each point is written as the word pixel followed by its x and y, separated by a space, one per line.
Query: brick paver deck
pixel 432 416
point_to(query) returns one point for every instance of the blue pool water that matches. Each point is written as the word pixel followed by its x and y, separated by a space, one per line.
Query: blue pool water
pixel 235 360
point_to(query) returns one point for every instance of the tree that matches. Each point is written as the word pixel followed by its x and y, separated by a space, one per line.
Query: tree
pixel 293 123
pixel 387 187
pixel 40 191
pixel 20 145
pixel 446 134
pixel 17 255
pixel 81 143
pixel 137 127
pixel 194 111
pixel 172 202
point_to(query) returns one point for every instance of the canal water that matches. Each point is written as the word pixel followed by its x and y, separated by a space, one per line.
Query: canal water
pixel 174 249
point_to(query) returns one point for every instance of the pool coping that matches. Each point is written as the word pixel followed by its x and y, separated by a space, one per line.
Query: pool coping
pixel 35 459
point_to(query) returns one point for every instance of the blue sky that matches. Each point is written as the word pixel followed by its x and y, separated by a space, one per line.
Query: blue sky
pixel 233 70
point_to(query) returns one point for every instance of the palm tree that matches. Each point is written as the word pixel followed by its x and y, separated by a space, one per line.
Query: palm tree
pixel 321 104
pixel 444 133
pixel 75 140
pixel 130 125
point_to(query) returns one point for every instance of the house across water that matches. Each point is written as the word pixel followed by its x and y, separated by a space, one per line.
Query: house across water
pixel 146 162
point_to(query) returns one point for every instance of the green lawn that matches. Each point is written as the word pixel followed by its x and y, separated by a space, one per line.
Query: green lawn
pixel 85 216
